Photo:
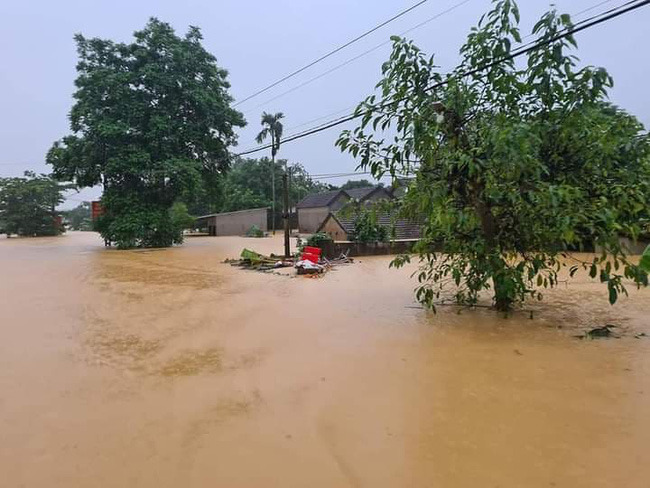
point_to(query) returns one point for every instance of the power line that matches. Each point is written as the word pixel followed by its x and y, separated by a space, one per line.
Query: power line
pixel 335 68
pixel 365 53
pixel 586 24
pixel 325 56
pixel 593 7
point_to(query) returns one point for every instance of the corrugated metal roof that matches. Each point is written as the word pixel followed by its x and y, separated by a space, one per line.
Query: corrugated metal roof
pixel 319 199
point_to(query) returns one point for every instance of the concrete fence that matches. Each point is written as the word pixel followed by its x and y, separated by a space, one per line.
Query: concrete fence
pixel 333 249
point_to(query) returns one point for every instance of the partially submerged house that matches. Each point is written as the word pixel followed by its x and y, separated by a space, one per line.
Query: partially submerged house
pixel 341 228
pixel 315 208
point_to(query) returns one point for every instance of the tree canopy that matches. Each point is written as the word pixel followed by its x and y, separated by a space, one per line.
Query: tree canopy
pixel 152 123
pixel 79 218
pixel 352 184
pixel 248 184
pixel 515 164
pixel 28 205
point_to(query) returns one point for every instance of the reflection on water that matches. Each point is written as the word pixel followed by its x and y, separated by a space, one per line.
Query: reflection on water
pixel 169 368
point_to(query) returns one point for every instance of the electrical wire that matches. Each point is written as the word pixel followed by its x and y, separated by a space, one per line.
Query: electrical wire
pixel 586 24
pixel 430 19
pixel 331 53
pixel 365 53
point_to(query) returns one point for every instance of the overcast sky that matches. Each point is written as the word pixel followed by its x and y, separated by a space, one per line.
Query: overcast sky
pixel 258 42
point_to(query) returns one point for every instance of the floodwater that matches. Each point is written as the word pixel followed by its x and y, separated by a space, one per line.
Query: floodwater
pixel 167 368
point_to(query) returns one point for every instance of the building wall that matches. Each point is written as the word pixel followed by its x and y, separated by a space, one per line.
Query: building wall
pixel 334 230
pixel 310 219
pixel 237 223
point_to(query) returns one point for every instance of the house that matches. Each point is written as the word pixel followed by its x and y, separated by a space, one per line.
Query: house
pixel 314 208
pixel 341 228
pixel 234 223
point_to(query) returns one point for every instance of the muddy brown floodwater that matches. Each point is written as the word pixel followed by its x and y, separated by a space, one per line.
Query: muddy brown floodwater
pixel 167 368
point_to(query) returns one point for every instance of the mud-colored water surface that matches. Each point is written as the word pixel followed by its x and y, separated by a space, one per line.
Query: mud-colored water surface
pixel 166 368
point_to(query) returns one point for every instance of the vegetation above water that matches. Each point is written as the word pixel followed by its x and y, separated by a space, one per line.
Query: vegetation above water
pixel 79 218
pixel 514 164
pixel 152 123
pixel 28 205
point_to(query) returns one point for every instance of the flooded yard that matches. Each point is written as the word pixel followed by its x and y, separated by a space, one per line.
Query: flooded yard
pixel 167 368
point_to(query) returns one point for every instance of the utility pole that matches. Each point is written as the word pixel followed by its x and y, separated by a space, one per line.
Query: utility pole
pixel 285 214
pixel 273 187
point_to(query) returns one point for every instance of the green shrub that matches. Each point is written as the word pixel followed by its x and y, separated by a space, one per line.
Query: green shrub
pixel 255 231
pixel 315 240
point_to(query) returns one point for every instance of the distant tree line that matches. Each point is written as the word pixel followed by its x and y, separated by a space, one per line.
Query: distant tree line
pixel 28 205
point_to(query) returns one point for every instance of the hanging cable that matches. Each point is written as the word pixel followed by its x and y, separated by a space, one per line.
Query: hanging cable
pixel 325 56
pixel 588 23
pixel 365 53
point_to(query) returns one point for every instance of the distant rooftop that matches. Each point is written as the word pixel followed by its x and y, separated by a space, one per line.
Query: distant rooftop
pixel 361 193
pixel 324 199
pixel 319 199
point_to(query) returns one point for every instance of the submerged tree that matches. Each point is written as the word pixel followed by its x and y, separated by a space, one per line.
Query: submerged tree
pixel 28 205
pixel 515 165
pixel 152 123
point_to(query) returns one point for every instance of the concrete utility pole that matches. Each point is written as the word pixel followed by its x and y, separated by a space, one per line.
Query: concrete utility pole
pixel 285 214
pixel 273 186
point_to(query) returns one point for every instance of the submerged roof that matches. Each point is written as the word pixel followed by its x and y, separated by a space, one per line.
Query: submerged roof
pixel 319 199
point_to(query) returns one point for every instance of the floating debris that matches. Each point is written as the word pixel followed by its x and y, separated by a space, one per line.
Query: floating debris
pixel 604 332
pixel 310 263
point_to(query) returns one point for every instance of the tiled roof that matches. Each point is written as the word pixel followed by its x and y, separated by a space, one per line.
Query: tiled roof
pixel 360 193
pixel 397 229
pixel 325 199
pixel 319 199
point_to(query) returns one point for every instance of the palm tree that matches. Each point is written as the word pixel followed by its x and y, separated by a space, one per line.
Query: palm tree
pixel 273 128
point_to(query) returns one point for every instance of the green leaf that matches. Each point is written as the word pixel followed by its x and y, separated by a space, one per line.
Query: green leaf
pixel 613 295
pixel 644 263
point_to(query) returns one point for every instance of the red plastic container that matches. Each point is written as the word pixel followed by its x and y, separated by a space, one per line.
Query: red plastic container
pixel 312 250
pixel 310 257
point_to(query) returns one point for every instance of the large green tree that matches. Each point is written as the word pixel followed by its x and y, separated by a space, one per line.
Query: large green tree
pixel 353 184
pixel 247 184
pixel 152 123
pixel 28 205
pixel 515 164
